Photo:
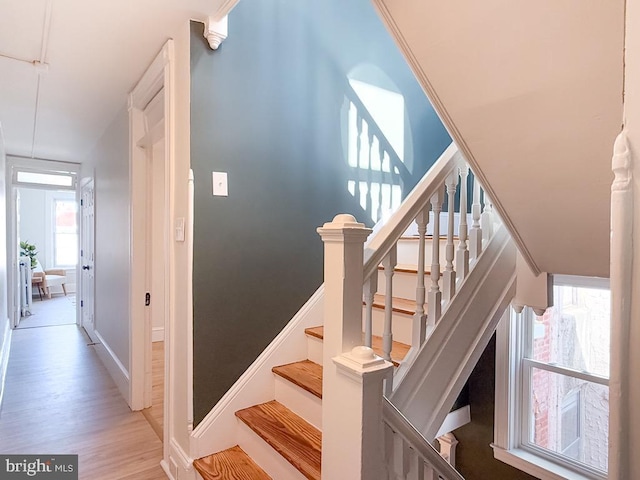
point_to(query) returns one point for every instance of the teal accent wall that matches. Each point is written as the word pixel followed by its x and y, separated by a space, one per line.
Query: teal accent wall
pixel 268 109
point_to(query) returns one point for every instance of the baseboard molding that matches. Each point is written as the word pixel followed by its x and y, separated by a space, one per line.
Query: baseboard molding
pixel 218 429
pixel 113 365
pixel 179 465
pixel 157 334
pixel 5 347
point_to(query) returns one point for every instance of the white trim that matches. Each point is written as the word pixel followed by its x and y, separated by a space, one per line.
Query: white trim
pixel 179 465
pixel 5 348
pixel 113 365
pixel 535 465
pixel 454 420
pixel 218 429
pixel 157 334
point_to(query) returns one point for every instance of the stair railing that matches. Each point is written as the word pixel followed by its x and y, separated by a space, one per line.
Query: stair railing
pixel 409 455
pixel 432 199
pixel 353 377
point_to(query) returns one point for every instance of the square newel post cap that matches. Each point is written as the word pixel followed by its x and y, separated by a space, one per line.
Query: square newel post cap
pixel 344 226
pixel 362 362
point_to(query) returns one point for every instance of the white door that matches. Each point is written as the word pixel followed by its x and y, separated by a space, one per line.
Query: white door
pixel 87 247
pixel 19 289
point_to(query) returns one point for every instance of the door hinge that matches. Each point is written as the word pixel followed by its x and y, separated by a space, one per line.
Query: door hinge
pixel 81 303
pixel 81 253
pixel 147 299
pixel 81 202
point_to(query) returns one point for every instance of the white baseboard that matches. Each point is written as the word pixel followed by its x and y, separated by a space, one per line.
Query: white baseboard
pixel 157 334
pixel 218 430
pixel 113 365
pixel 5 347
pixel 179 465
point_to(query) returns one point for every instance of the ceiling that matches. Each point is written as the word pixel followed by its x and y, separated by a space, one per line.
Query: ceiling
pixel 532 93
pixel 92 54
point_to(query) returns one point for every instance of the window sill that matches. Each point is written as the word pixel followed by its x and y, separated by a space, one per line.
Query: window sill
pixel 537 466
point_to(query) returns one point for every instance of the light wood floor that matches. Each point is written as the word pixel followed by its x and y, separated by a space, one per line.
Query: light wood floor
pixel 155 413
pixel 60 399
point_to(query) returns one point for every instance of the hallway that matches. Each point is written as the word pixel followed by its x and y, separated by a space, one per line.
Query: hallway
pixel 59 399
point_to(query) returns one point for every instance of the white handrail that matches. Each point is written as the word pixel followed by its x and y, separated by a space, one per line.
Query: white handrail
pixel 401 426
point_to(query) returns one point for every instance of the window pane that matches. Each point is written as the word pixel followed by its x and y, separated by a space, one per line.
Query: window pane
pixel 45 179
pixel 570 417
pixel 66 233
pixel 574 333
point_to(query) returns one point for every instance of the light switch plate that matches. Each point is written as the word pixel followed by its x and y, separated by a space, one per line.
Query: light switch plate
pixel 179 229
pixel 220 186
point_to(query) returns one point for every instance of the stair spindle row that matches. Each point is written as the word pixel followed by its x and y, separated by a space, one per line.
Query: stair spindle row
pixel 431 299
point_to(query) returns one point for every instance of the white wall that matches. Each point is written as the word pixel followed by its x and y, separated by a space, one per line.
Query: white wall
pixel 108 163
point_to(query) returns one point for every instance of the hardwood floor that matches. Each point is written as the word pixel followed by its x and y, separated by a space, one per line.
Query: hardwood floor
pixel 155 413
pixel 60 399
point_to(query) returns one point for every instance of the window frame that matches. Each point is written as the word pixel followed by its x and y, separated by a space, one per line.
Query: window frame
pixel 513 379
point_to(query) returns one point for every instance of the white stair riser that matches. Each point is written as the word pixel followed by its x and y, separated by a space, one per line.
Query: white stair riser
pixel 314 349
pixel 265 456
pixel 404 284
pixel 407 251
pixel 400 328
pixel 299 401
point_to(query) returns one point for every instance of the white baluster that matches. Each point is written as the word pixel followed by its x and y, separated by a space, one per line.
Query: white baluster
pixel 462 256
pixel 419 318
pixel 370 288
pixel 389 264
pixel 369 198
pixel 448 443
pixel 430 473
pixel 401 458
pixel 356 190
pixel 487 219
pixel 475 236
pixel 416 466
pixel 435 295
pixel 449 275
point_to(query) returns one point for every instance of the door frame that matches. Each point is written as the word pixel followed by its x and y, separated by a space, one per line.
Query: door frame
pixel 157 77
pixel 16 163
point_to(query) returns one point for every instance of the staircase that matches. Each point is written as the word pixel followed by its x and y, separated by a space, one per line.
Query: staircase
pixel 417 319
pixel 288 427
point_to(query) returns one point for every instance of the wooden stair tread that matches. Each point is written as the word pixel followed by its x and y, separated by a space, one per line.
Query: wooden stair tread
pixel 306 374
pixel 398 350
pixel 230 464
pixel 292 437
pixel 398 305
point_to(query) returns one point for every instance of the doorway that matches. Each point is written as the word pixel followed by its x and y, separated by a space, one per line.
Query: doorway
pixel 44 235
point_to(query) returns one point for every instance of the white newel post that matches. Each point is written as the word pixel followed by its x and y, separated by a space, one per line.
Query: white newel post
pixel 353 376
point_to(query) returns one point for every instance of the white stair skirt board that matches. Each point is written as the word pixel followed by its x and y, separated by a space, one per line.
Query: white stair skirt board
pixel 314 349
pixel 113 365
pixel 299 401
pixel 265 456
pixel 402 325
pixel 217 431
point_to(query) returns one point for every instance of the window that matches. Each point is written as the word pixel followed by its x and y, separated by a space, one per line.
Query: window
pixel 65 233
pixel 552 398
